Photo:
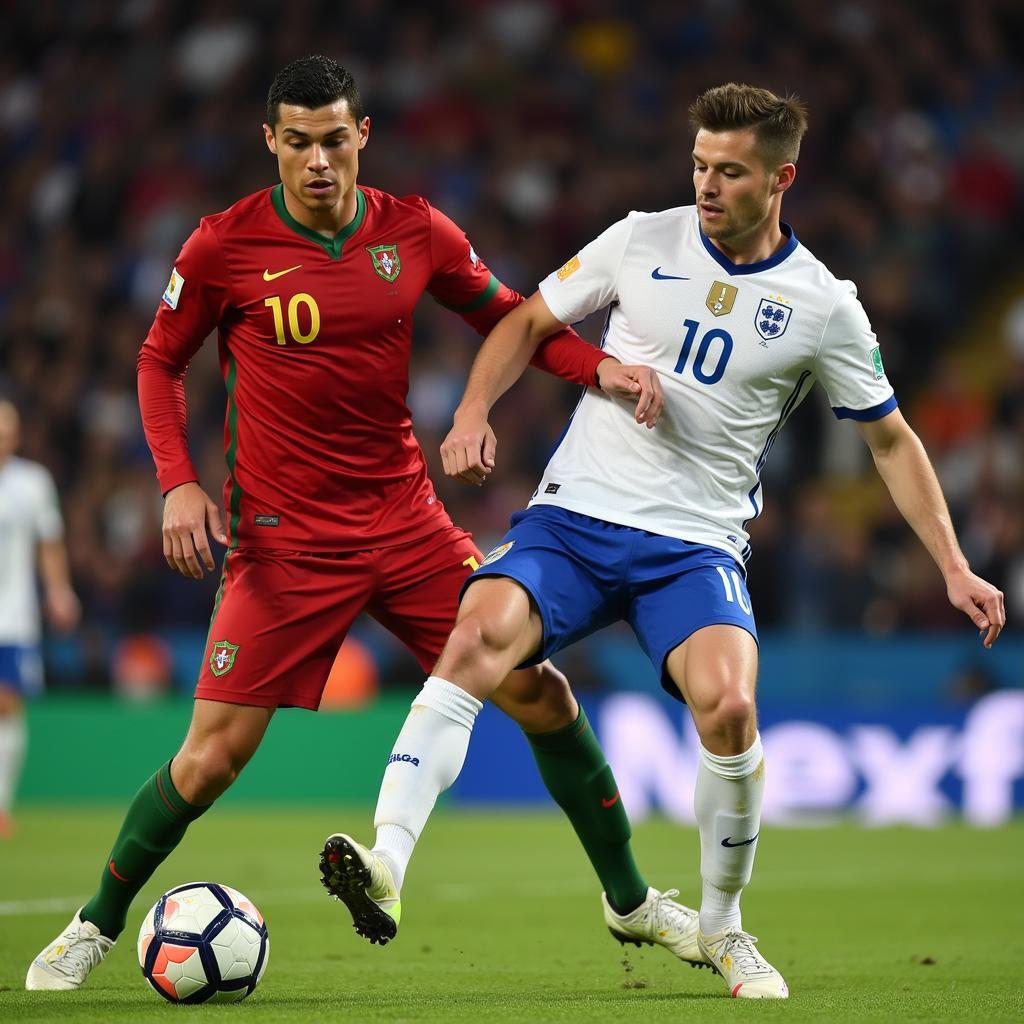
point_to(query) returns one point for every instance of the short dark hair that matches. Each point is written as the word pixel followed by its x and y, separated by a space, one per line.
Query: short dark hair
pixel 311 82
pixel 779 122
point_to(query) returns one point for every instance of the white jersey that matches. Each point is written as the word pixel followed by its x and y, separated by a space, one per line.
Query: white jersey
pixel 736 348
pixel 29 513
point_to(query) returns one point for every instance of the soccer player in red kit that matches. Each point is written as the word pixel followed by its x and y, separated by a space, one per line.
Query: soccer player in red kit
pixel 311 287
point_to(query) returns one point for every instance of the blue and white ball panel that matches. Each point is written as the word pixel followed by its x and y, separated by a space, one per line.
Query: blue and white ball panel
pixel 21 669
pixel 584 574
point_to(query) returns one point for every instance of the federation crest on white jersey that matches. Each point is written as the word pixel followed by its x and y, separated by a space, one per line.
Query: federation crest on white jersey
pixel 772 318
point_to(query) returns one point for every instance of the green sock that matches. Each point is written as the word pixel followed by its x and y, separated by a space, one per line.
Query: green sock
pixel 577 776
pixel 154 825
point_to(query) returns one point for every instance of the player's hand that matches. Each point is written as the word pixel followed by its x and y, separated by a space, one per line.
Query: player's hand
pixel 62 608
pixel 468 450
pixel 639 383
pixel 188 512
pixel 979 601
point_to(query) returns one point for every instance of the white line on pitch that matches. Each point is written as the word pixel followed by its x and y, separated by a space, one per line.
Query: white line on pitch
pixel 12 908
pixel 455 892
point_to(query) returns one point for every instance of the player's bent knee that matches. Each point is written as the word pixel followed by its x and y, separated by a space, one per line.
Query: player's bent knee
pixel 554 681
pixel 538 699
pixel 732 720
pixel 476 642
pixel 556 701
pixel 202 774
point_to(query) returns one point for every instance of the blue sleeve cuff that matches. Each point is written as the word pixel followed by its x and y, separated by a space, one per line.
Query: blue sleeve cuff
pixel 876 412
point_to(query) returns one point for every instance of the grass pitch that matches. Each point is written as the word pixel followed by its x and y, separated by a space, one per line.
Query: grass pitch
pixel 502 922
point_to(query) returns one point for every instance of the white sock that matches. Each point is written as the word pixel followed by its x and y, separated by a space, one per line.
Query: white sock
pixel 394 845
pixel 727 802
pixel 13 737
pixel 427 758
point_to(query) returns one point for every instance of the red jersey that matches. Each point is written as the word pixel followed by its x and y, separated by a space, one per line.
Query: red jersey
pixel 314 337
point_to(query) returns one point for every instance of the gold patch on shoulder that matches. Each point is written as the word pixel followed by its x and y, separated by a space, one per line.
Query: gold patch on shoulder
pixel 569 268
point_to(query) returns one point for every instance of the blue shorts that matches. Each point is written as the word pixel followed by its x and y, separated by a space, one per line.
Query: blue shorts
pixel 584 574
pixel 21 669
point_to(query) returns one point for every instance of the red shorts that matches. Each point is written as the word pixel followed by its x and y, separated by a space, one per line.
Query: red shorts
pixel 281 616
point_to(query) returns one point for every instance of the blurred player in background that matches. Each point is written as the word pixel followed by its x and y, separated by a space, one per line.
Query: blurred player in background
pixel 739 320
pixel 31 542
pixel 311 286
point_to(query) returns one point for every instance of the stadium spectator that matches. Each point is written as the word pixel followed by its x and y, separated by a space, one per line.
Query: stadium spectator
pixel 556 119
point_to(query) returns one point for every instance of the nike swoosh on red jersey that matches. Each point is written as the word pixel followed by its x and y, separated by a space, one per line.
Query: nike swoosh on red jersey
pixel 268 276
pixel 610 803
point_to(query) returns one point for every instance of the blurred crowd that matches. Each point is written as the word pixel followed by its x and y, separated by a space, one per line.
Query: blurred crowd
pixel 534 125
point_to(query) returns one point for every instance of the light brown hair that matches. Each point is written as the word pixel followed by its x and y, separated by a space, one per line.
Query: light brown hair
pixel 779 122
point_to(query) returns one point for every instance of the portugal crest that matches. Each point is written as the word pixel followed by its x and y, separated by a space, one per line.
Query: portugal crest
pixel 222 657
pixel 772 318
pixel 385 261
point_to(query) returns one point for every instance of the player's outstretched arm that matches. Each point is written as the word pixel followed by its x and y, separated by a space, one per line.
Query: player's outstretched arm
pixel 469 449
pixel 904 466
pixel 188 513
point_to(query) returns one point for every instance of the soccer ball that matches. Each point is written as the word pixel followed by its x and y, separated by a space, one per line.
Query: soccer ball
pixel 203 942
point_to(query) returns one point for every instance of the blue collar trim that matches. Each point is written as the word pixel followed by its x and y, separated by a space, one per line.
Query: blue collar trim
pixel 751 268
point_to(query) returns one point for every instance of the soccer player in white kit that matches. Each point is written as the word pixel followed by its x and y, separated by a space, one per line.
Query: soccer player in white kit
pixel 649 526
pixel 31 537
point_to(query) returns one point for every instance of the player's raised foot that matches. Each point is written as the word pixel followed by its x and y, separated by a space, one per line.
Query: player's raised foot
pixel 658 920
pixel 66 962
pixel 733 954
pixel 363 882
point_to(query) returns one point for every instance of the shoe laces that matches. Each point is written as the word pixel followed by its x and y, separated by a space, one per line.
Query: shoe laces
pixel 741 947
pixel 664 911
pixel 81 954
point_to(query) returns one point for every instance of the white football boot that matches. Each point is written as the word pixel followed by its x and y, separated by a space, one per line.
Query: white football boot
pixel 67 961
pixel 733 954
pixel 659 920
pixel 364 883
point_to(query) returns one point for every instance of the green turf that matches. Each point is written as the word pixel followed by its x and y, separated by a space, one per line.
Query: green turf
pixel 502 923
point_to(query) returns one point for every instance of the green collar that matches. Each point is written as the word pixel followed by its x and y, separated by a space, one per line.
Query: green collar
pixel 332 246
